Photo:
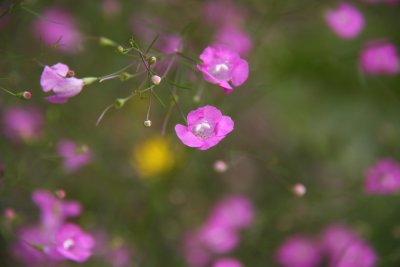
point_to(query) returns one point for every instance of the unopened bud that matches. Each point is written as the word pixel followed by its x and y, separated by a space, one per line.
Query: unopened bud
pixel 220 166
pixel 156 79
pixel 299 190
pixel 89 80
pixel 152 60
pixel 120 49
pixel 106 42
pixel 60 194
pixel 9 214
pixel 119 103
pixel 24 95
pixel 147 123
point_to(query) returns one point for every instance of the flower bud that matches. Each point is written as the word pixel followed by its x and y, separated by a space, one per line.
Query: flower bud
pixel 120 49
pixel 106 42
pixel 89 80
pixel 152 60
pixel 155 79
pixel 9 214
pixel 147 123
pixel 119 103
pixel 60 194
pixel 299 190
pixel 220 166
pixel 26 95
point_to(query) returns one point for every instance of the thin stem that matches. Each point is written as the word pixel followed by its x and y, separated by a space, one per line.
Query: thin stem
pixel 176 104
pixel 103 113
pixel 166 119
pixel 117 72
pixel 11 93
pixel 148 109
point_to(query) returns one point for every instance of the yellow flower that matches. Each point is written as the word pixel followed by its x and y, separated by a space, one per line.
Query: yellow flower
pixel 153 157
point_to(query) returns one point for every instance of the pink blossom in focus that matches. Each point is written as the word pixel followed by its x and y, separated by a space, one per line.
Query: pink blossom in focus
pixel 234 38
pixel 233 212
pixel 206 128
pixel 299 251
pixel 223 66
pixel 73 243
pixel 227 262
pixel 380 58
pixel 22 123
pixel 55 79
pixel 56 26
pixel 345 20
pixel 383 178
pixel 73 156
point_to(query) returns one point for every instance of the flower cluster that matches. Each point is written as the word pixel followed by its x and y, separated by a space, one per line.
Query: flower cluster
pixel 53 238
pixel 341 246
pixel 220 233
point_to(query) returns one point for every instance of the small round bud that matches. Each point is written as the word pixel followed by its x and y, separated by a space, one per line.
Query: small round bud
pixel 106 42
pixel 299 190
pixel 9 214
pixel 120 49
pixel 119 103
pixel 27 95
pixel 152 60
pixel 147 123
pixel 220 166
pixel 60 194
pixel 156 79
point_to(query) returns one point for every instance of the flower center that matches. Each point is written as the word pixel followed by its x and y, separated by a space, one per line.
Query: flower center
pixel 203 129
pixel 220 70
pixel 68 243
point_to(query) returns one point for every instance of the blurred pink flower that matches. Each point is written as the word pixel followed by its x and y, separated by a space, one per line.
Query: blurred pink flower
pixel 195 252
pixel 56 79
pixel 56 26
pixel 235 38
pixel 299 251
pixel 234 212
pixel 223 66
pixel 206 128
pixel 223 12
pixel 73 243
pixel 22 123
pixel 345 20
pixel 54 211
pixel 335 238
pixel 383 178
pixel 227 262
pixel 218 238
pixel 380 57
pixel 111 7
pixel 74 157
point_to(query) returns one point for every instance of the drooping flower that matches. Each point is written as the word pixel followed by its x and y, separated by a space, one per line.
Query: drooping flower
pixel 54 211
pixel 74 157
pixel 56 79
pixel 206 128
pixel 223 66
pixel 380 58
pixel 299 251
pixel 22 123
pixel 57 27
pixel 235 38
pixel 227 262
pixel 383 178
pixel 345 20
pixel 153 157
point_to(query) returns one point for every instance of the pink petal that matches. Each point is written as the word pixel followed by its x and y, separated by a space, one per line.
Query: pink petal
pixel 57 99
pixel 225 126
pixel 187 137
pixel 49 79
pixel 61 69
pixel 68 87
pixel 210 142
pixel 240 73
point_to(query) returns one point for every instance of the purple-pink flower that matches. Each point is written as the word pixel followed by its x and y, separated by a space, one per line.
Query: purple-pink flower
pixel 299 251
pixel 380 58
pixel 206 128
pixel 56 79
pixel 223 66
pixel 73 243
pixel 345 20
pixel 383 178
pixel 22 123
pixel 74 157
pixel 235 38
pixel 227 262
pixel 56 26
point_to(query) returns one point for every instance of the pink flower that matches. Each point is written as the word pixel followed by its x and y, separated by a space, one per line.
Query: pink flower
pixel 218 238
pixel 54 211
pixel 234 38
pixel 345 20
pixel 383 178
pixel 223 66
pixel 227 262
pixel 298 251
pixel 336 238
pixel 223 12
pixel 233 212
pixel 196 253
pixel 73 156
pixel 73 243
pixel 380 58
pixel 55 79
pixel 169 44
pixel 57 27
pixel 206 128
pixel 22 123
